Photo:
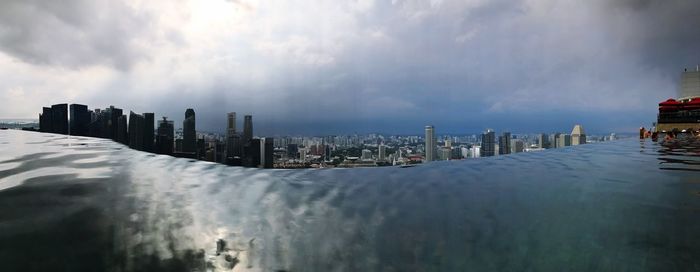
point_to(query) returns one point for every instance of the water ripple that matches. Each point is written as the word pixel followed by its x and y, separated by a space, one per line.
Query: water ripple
pixel 98 205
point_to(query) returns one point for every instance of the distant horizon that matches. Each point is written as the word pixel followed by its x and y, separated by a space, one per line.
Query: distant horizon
pixel 417 133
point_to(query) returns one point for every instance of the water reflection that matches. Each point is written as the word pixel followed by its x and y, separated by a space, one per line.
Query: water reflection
pixel 83 204
pixel 680 154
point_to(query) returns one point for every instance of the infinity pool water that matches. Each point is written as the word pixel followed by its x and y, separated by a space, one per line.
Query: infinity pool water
pixel 85 204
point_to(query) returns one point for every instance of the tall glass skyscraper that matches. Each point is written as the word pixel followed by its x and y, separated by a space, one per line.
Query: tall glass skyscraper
pixel 165 136
pixel 247 128
pixel 429 143
pixel 149 119
pixel 189 134
pixel 504 144
pixel 543 140
pixel 59 115
pixel 232 139
pixel 79 120
pixel 488 143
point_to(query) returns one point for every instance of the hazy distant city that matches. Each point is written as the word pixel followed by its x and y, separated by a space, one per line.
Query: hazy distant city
pixel 240 147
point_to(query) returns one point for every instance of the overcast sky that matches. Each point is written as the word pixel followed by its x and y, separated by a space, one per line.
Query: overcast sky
pixel 322 67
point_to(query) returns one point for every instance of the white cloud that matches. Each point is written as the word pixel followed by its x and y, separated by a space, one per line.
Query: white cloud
pixel 309 58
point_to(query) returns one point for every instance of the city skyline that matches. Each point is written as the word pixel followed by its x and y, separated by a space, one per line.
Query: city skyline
pixel 374 67
pixel 137 131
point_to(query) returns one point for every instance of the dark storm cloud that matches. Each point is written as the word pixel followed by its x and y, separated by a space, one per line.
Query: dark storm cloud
pixel 326 66
pixel 665 34
pixel 72 33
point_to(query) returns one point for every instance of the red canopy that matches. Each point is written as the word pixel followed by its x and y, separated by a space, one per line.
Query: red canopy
pixel 693 104
pixel 670 102
pixel 694 101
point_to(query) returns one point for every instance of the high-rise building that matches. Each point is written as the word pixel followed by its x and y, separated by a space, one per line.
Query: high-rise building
pixel 105 124
pixel 178 148
pixel 148 131
pixel 136 125
pixel 112 130
pixel 563 140
pixel 366 154
pixel 517 146
pixel 555 140
pixel 122 130
pixel 543 140
pixel 247 128
pixel 475 151
pixel 578 136
pixel 302 153
pixel 327 153
pixel 267 152
pixel 293 151
pixel 488 143
pixel 59 118
pixel 189 133
pixel 232 139
pixel 444 153
pixel 96 125
pixel 690 84
pixel 231 123
pixel 430 143
pixel 201 149
pixel 234 150
pixel 504 144
pixel 46 120
pixel 165 136
pixel 382 153
pixel 79 120
pixel 252 153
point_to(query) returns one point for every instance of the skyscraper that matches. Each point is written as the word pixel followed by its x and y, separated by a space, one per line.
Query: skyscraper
pixel 293 151
pixel 234 150
pixel 247 128
pixel 231 124
pixel 517 146
pixel 267 152
pixel 122 130
pixel 690 84
pixel 488 143
pixel 578 136
pixel 189 134
pixel 543 140
pixel 563 140
pixel 136 124
pixel 252 153
pixel 366 155
pixel 148 120
pixel 382 153
pixel 327 153
pixel 46 120
pixel 113 123
pixel 555 140
pixel 504 144
pixel 232 141
pixel 79 120
pixel 429 143
pixel 165 137
pixel 59 118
